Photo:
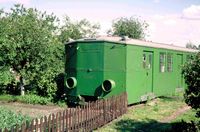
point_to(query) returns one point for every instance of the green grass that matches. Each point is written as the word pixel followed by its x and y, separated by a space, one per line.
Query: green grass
pixel 187 117
pixel 9 118
pixel 148 117
pixel 6 97
pixel 29 99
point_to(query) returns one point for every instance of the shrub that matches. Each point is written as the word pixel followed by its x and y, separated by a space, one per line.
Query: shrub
pixel 28 99
pixel 33 99
pixel 185 127
pixel 9 118
pixel 191 73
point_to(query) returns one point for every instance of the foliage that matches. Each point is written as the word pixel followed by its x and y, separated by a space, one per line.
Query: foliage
pixel 5 76
pixel 190 45
pixel 7 98
pixel 131 27
pixel 33 99
pixel 30 49
pixel 185 127
pixel 29 99
pixel 78 29
pixel 147 117
pixel 186 122
pixel 191 73
pixel 9 119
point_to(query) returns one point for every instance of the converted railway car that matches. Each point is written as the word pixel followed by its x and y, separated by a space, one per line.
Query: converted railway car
pixel 107 66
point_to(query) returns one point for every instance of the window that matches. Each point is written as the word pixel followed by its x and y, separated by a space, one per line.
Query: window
pixel 162 62
pixel 144 61
pixel 150 61
pixel 169 62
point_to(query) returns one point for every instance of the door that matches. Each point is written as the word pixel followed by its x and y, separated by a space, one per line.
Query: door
pixel 179 70
pixel 89 66
pixel 148 68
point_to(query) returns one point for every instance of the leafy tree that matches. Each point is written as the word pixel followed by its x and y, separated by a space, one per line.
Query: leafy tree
pixel 191 73
pixel 30 48
pixel 190 45
pixel 131 27
pixel 77 30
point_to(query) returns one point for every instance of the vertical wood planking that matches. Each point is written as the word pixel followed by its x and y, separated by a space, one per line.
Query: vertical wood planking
pixel 67 120
pixel 36 125
pixel 23 127
pixel 53 122
pixel 41 124
pixel 49 123
pixel 60 121
pixel 82 118
pixel 5 130
pixel 56 122
pixel 63 121
pixel 45 124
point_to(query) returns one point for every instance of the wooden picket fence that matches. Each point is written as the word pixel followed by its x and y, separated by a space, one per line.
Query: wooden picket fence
pixel 82 118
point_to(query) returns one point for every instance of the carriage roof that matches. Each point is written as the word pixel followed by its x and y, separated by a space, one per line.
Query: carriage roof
pixel 128 41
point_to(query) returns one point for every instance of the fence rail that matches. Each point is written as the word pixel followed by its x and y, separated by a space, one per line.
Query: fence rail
pixel 82 118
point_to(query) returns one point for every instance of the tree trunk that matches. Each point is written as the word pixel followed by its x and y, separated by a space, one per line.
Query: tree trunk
pixel 22 86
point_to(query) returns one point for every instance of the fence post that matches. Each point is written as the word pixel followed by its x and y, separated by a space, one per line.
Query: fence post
pixel 5 130
pixel 49 123
pixel 66 118
pixel 53 122
pixel 41 124
pixel 63 121
pixel 57 122
pixel 85 118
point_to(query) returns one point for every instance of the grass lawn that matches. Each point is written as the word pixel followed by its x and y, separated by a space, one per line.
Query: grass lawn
pixel 153 116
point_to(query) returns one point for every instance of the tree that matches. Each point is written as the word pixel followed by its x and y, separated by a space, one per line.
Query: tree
pixel 191 73
pixel 131 27
pixel 78 29
pixel 190 45
pixel 5 75
pixel 29 47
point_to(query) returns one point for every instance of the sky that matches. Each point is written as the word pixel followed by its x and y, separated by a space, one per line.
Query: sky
pixel 174 22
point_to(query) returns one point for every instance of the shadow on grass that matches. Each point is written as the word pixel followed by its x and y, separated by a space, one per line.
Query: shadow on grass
pixel 150 125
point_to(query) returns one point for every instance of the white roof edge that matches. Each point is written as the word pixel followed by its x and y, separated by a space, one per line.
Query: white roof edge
pixel 138 42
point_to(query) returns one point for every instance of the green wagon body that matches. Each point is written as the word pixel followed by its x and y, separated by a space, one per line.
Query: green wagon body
pixel 133 66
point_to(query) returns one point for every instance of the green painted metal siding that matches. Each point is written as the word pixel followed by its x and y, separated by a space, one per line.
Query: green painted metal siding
pixel 163 84
pixel 115 66
pixel 89 68
pixel 92 62
pixel 70 65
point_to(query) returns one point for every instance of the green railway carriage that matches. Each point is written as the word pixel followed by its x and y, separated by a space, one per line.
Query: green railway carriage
pixel 107 66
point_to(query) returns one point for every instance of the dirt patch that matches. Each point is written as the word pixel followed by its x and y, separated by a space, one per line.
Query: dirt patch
pixel 31 110
pixel 176 114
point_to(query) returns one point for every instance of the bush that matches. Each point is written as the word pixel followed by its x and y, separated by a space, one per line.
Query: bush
pixel 191 73
pixel 28 99
pixel 33 99
pixel 185 127
pixel 9 118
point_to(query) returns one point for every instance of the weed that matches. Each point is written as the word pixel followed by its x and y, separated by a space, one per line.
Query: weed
pixel 9 118
pixel 29 99
pixel 147 117
pixel 34 99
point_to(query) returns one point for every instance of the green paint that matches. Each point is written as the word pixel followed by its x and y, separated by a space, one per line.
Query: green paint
pixel 134 69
